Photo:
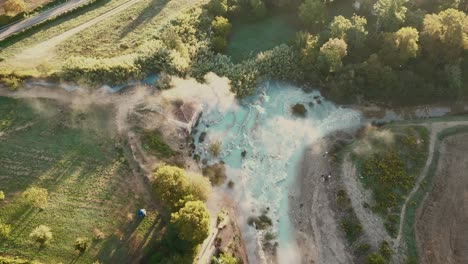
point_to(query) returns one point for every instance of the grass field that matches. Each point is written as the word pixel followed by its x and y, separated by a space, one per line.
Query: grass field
pixel 89 182
pixel 251 37
pixel 124 32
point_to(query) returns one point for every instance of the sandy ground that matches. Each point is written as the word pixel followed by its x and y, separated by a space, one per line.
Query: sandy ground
pixel 372 224
pixel 318 232
pixel 442 222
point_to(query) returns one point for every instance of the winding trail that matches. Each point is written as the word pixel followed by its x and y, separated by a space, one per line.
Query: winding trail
pixel 435 128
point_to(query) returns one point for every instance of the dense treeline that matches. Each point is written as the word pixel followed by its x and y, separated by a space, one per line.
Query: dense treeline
pixel 388 51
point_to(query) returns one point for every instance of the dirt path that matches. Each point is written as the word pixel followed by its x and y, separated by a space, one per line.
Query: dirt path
pixel 435 128
pixel 35 55
pixel 39 18
pixel 442 220
pixel 372 224
pixel 318 233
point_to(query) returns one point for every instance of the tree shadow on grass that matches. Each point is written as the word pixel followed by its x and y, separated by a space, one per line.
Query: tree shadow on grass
pixel 152 10
pixel 129 247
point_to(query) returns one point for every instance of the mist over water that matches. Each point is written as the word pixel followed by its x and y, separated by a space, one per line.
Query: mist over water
pixel 274 141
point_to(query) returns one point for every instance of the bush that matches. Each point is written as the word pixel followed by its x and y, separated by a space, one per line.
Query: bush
pixel 36 197
pixel 101 71
pixel 375 258
pixel 5 230
pixel 164 81
pixel 218 7
pixel 41 235
pixel 81 244
pixel 215 148
pixel 280 63
pixel 221 26
pixel 219 44
pixel 12 82
pixel 154 56
pixel 2 195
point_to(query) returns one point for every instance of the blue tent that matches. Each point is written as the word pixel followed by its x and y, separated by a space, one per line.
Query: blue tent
pixel 141 213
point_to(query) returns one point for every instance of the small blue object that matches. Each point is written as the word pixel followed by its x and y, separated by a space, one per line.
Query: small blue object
pixel 142 213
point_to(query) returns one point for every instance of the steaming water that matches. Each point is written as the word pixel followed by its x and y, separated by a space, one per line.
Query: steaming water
pixel 274 141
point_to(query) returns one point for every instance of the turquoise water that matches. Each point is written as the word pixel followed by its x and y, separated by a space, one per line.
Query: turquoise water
pixel 274 141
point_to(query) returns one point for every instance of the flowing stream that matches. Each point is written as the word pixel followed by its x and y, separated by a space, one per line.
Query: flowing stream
pixel 273 141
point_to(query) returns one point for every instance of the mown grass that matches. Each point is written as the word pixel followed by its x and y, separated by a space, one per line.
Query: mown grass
pixel 390 168
pixel 126 31
pixel 251 37
pixel 409 234
pixel 88 180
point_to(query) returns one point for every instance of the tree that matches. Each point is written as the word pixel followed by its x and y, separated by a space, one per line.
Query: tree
pixel 36 197
pixel 221 26
pixel 339 27
pixel 390 14
pixel 445 35
pixel 174 188
pixel 309 51
pixel 218 7
pixel 313 13
pixel 200 186
pixel 357 34
pixel 41 235
pixel 401 46
pixel 5 230
pixel 219 44
pixel 14 7
pixel 331 53
pixel 81 244
pixel 192 222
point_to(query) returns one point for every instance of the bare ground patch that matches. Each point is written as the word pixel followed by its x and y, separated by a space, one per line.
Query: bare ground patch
pixel 442 221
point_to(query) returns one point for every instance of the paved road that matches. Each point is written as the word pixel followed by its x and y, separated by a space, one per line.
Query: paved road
pixel 24 24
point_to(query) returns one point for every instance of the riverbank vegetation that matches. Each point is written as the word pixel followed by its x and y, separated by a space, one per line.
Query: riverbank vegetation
pixel 389 161
pixel 402 54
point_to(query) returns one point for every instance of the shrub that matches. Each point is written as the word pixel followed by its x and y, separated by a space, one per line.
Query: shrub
pixel 221 26
pixel 154 56
pixel 218 7
pixel 164 81
pixel 100 71
pixel 98 234
pixel 2 195
pixel 41 235
pixel 13 82
pixel 36 197
pixel 215 148
pixel 219 44
pixel 216 173
pixel 81 244
pixel 5 230
pixel 227 258
pixel 280 63
pixel 375 258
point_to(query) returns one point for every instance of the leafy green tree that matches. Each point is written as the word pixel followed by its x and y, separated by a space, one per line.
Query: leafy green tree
pixel 218 7
pixel 339 27
pixel 41 235
pixel 401 46
pixel 36 197
pixel 81 244
pixel 219 44
pixel 192 222
pixel 309 51
pixel 357 34
pixel 313 13
pixel 14 7
pixel 221 26
pixel 331 54
pixel 390 14
pixel 445 35
pixel 174 188
pixel 5 230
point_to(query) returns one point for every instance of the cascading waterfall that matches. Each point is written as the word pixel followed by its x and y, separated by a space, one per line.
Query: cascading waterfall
pixel 273 140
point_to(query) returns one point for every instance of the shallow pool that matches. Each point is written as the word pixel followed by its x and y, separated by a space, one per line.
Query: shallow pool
pixel 273 140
